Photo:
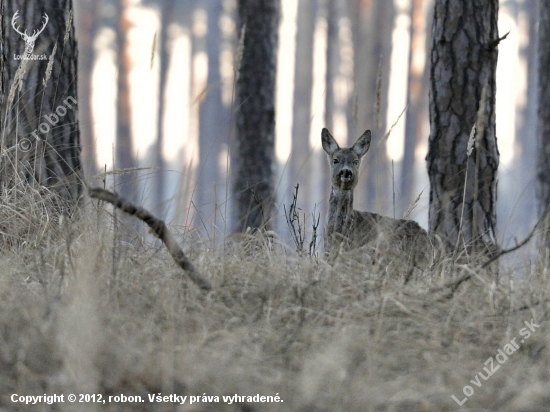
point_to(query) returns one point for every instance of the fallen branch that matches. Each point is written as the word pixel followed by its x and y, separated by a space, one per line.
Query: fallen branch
pixel 520 244
pixel 158 227
pixel 453 286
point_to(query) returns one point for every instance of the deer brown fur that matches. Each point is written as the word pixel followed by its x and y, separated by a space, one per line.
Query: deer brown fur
pixel 352 229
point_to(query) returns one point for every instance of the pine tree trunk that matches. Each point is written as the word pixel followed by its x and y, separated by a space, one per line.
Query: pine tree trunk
pixel 166 11
pixel 333 60
pixel 301 161
pixel 373 52
pixel 526 126
pixel 544 118
pixel 41 131
pixel 124 144
pixel 416 98
pixel 462 94
pixel 87 23
pixel 254 188
pixel 212 114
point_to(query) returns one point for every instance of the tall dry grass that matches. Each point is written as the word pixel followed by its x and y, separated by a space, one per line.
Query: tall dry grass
pixel 82 311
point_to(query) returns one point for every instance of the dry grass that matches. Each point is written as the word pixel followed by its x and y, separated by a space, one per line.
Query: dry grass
pixel 347 337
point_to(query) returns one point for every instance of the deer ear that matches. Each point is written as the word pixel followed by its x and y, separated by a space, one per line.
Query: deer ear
pixel 329 144
pixel 362 145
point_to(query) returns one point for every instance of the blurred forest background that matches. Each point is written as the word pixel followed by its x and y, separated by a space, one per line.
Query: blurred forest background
pixel 156 96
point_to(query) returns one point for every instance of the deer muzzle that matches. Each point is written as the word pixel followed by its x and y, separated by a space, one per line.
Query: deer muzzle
pixel 345 179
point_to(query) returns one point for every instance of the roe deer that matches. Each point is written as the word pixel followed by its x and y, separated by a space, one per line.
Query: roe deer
pixel 353 229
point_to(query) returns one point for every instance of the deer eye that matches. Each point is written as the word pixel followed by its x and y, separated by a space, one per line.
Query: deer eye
pixel 335 161
pixel 356 162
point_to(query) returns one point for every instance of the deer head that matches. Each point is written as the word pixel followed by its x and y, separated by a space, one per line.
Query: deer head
pixel 29 40
pixel 344 163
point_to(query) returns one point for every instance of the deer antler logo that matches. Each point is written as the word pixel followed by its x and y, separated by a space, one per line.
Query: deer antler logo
pixel 29 40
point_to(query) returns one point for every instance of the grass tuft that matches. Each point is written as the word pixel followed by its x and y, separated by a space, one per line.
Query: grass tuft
pixel 350 336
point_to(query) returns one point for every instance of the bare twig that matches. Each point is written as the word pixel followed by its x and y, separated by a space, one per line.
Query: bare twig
pixel 453 286
pixel 153 50
pixel 315 226
pixel 387 135
pixel 494 43
pixel 413 205
pixel 293 222
pixel 378 101
pixel 159 229
pixel 520 244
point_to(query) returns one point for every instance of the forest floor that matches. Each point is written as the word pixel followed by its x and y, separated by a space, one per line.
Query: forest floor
pixel 83 312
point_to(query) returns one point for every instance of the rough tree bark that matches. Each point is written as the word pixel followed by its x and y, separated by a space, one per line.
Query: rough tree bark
pixel 543 193
pixel 40 140
pixel 462 94
pixel 253 187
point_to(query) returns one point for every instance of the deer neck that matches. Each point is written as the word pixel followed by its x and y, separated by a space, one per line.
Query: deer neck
pixel 340 213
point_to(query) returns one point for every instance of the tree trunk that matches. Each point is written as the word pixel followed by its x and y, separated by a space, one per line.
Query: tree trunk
pixel 166 10
pixel 333 60
pixel 87 26
pixel 253 188
pixel 375 20
pixel 41 129
pixel 526 126
pixel 209 188
pixel 416 98
pixel 3 97
pixel 301 158
pixel 124 144
pixel 462 94
pixel 544 118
